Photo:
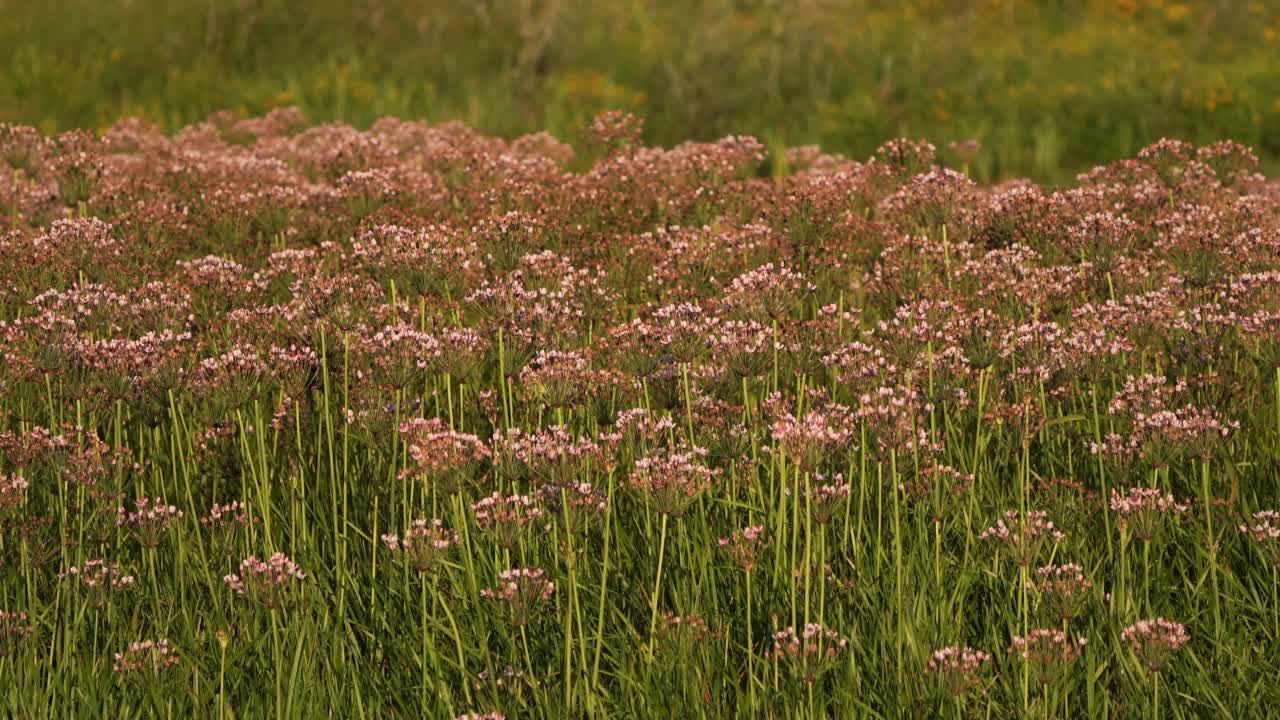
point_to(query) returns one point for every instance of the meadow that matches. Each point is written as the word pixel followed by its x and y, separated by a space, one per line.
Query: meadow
pixel 302 420
pixel 1048 88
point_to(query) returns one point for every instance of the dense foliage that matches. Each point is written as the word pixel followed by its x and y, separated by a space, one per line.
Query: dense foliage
pixel 1048 88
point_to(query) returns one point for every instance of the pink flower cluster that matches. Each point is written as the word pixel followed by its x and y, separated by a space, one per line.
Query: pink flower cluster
pixel 1155 641
pixel 671 480
pixel 959 668
pixel 1264 530
pixel 442 457
pixel 743 545
pixel 146 655
pixel 523 590
pixel 424 546
pixel 1023 535
pixel 1144 510
pixel 810 653
pixel 149 521
pixel 274 583
pixel 1050 652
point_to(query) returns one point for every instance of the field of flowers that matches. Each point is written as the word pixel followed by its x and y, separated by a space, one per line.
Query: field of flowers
pixel 302 420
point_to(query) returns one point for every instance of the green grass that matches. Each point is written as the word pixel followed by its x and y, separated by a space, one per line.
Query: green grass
pixel 1049 88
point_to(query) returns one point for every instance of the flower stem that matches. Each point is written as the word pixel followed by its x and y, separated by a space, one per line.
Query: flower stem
pixel 1213 552
pixel 657 584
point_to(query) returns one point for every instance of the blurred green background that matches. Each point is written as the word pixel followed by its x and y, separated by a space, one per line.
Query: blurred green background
pixel 1049 87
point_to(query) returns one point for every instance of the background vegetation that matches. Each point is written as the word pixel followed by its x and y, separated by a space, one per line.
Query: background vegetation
pixel 1048 87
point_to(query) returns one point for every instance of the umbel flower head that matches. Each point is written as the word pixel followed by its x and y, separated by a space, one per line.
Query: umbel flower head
pixel 670 481
pixel 1264 531
pixel 149 520
pixel 1049 651
pixel 523 590
pixel 274 583
pixel 1063 589
pixel 1155 641
pixel 424 546
pixel 682 634
pixel 811 439
pixel 442 458
pixel 827 499
pixel 743 546
pixel 225 522
pixel 100 579
pixel 506 518
pixel 13 491
pixel 810 653
pixel 958 668
pixel 14 626
pixel 576 505
pixel 1022 536
pixel 1143 511
pixel 146 655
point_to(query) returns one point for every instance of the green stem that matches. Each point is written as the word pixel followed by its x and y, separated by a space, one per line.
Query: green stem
pixel 657 585
pixel 222 679
pixel 897 568
pixel 604 590
pixel 751 680
pixel 1022 612
pixel 1275 604
pixel 1155 696
pixel 1146 576
pixel 457 642
pixel 1213 552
